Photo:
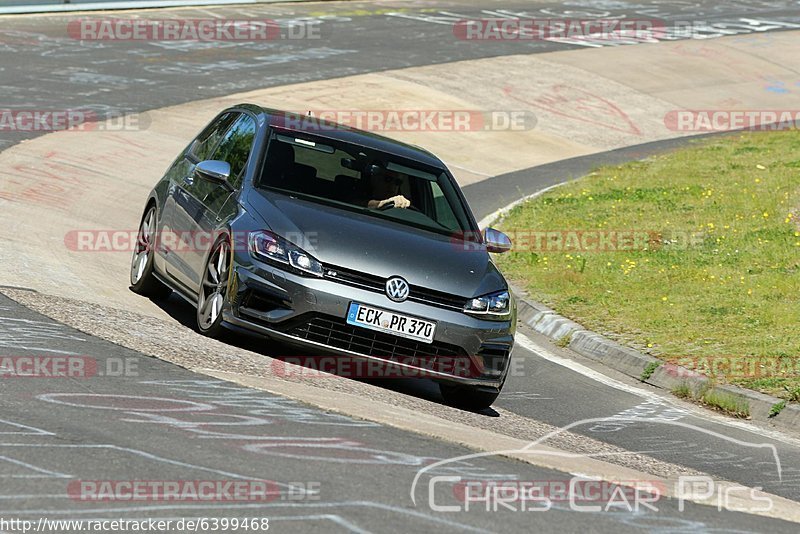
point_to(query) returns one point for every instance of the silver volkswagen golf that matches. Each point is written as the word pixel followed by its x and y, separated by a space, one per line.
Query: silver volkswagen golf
pixel 337 240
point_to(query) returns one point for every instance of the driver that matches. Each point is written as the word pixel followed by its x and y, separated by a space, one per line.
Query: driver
pixel 384 187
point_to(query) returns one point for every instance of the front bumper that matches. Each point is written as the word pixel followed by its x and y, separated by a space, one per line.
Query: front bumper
pixel 310 313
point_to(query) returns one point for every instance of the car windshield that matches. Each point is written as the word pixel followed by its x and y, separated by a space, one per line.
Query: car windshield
pixel 353 177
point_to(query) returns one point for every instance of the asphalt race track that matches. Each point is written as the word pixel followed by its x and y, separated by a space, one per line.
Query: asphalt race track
pixel 155 407
pixel 44 66
pixel 328 472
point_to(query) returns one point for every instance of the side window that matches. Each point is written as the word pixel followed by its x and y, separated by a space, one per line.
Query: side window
pixel 444 213
pixel 235 147
pixel 207 141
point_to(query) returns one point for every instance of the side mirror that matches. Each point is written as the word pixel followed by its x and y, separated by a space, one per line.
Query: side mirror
pixel 213 171
pixel 496 241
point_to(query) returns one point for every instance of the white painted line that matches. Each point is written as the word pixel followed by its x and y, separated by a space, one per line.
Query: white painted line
pixel 33 430
pixel 42 473
pixel 540 351
pixel 493 217
pixel 530 345
pixel 34 496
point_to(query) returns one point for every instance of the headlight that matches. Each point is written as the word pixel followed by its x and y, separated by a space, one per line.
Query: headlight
pixel 271 247
pixel 497 304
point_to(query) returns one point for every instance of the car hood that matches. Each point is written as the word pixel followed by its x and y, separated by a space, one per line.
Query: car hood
pixel 378 247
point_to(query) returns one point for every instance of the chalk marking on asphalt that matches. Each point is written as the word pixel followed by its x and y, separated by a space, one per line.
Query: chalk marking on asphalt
pixel 211 14
pixel 194 406
pixel 35 431
pixel 149 456
pixel 43 473
pixel 17 335
pixel 538 350
pixel 39 349
pixel 37 496
pixel 46 323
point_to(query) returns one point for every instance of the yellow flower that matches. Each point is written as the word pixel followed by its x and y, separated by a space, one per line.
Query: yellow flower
pixel 664 299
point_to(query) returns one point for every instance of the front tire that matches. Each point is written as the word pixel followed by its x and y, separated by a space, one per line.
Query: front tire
pixel 214 290
pixel 468 398
pixel 143 280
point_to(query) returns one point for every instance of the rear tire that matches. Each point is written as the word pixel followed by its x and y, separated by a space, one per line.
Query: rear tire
pixel 468 398
pixel 143 280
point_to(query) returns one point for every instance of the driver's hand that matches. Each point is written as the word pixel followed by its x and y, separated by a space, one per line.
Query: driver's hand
pixel 399 202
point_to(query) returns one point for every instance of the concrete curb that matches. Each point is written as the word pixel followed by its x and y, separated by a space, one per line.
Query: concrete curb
pixel 634 363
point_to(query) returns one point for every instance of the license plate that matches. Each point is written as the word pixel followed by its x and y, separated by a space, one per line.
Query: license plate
pixel 390 322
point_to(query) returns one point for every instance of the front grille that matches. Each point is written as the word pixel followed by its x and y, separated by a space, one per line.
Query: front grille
pixel 378 285
pixel 334 332
pixel 354 278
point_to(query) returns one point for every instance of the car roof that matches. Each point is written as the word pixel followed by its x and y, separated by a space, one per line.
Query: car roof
pixel 347 134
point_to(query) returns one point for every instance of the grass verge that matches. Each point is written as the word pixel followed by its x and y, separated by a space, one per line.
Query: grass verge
pixel 693 257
